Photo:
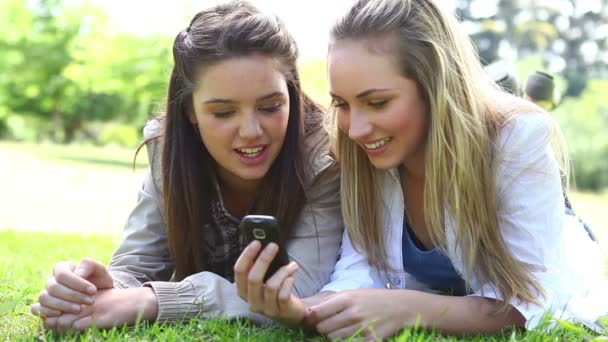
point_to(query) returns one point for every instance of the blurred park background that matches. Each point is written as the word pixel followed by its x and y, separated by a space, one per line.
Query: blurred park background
pixel 79 79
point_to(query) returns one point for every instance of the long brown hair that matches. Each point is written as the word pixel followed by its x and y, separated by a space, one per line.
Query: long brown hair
pixel 464 123
pixel 234 29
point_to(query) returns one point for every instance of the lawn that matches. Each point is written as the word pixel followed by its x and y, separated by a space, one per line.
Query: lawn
pixel 63 203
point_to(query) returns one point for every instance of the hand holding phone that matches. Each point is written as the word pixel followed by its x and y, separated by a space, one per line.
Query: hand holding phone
pixel 265 229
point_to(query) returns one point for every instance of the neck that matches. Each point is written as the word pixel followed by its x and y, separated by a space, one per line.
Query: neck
pixel 238 194
pixel 414 167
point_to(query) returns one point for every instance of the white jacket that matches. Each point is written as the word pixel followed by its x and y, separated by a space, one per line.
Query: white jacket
pixel 533 224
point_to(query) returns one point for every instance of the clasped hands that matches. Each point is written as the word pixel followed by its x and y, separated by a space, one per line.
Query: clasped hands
pixel 80 296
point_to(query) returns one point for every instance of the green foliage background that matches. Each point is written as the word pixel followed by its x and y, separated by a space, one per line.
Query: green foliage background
pixel 67 76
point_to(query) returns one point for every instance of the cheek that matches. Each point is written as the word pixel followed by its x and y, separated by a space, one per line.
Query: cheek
pixel 343 121
pixel 214 133
pixel 278 124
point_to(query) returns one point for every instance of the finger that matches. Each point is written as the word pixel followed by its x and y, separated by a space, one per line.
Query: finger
pixel 255 279
pixel 351 331
pixel 259 268
pixel 95 272
pixel 50 323
pixel 83 323
pixel 58 290
pixel 328 308
pixel 286 274
pixel 272 287
pixel 336 322
pixel 310 318
pixel 64 273
pixel 242 266
pixel 64 322
pixel 285 292
pixel 42 311
pixel 55 303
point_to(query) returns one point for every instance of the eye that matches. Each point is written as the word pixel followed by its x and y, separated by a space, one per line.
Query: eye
pixel 339 104
pixel 223 114
pixel 377 103
pixel 271 108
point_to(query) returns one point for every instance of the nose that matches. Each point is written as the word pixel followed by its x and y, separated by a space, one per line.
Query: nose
pixel 250 127
pixel 359 125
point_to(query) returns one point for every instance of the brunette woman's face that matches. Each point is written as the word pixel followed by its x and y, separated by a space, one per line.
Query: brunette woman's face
pixel 241 109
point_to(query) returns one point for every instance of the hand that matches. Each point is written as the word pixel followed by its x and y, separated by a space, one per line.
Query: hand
pixel 275 298
pixel 71 286
pixel 372 313
pixel 112 307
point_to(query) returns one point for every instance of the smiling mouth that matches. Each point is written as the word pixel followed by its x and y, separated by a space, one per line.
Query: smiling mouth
pixel 377 144
pixel 250 152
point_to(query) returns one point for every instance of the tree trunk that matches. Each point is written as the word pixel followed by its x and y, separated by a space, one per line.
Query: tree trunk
pixel 57 123
pixel 70 130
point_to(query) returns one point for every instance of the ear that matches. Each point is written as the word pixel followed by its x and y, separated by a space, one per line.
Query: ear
pixel 192 118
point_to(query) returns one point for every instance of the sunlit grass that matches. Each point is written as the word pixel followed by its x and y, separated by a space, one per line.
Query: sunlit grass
pixel 65 203
pixel 28 258
pixel 67 188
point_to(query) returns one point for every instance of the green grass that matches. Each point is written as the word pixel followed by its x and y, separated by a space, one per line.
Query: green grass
pixel 28 257
pixel 65 203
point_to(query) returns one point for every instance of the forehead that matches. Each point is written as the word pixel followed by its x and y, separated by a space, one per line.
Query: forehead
pixel 241 77
pixel 357 65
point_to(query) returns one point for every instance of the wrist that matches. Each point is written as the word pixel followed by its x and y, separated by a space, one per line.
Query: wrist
pixel 150 304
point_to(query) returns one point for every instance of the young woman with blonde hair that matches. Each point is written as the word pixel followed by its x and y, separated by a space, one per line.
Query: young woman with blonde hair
pixel 451 190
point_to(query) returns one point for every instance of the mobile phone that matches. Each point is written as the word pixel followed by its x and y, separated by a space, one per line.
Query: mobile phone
pixel 265 229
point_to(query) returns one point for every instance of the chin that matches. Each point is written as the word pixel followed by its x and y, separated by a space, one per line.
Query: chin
pixel 253 174
pixel 383 164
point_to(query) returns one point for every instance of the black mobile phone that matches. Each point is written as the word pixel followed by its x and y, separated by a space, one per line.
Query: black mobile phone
pixel 265 229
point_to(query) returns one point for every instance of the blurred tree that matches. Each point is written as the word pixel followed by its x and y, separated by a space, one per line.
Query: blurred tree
pixel 63 63
pixel 584 122
pixel 571 36
pixel 35 84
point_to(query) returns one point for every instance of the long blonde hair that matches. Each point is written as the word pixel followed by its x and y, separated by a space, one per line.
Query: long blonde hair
pixel 464 122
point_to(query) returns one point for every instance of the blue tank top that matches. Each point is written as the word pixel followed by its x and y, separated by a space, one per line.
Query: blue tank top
pixel 430 267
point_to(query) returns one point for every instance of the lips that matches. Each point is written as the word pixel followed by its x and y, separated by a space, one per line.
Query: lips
pixel 375 145
pixel 253 155
pixel 250 152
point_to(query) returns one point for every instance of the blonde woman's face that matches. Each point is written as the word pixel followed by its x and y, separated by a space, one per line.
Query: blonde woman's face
pixel 381 111
pixel 241 109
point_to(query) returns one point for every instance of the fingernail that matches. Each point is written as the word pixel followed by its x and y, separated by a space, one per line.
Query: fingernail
pixel 91 290
pixel 272 247
pixel 80 271
pixel 76 308
pixel 88 300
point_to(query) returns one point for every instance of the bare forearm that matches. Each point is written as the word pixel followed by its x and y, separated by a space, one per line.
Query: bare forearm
pixel 461 315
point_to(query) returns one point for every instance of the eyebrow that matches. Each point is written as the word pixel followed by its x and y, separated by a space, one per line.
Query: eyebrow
pixel 261 98
pixel 364 93
pixel 371 91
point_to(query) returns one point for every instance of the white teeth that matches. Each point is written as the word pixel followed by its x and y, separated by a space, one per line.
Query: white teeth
pixel 250 151
pixel 377 144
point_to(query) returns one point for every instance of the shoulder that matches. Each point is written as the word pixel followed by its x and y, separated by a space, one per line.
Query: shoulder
pixel 317 154
pixel 525 130
pixel 152 133
pixel 525 155
pixel 153 128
